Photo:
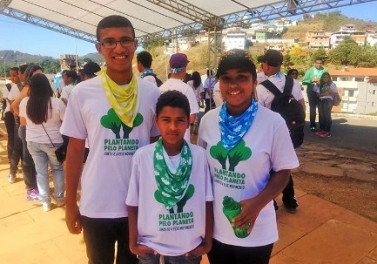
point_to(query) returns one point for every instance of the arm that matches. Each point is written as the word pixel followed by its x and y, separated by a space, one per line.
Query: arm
pixel 302 102
pixel 307 80
pixel 135 247
pixel 252 206
pixel 73 168
pixel 16 103
pixel 206 244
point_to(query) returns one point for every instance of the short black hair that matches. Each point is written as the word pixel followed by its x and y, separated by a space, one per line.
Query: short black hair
pixel 71 73
pixel 114 21
pixel 23 68
pixel 236 59
pixel 291 71
pixel 145 58
pixel 14 69
pixel 173 98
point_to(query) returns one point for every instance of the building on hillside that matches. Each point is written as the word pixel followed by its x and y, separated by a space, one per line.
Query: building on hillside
pixel 262 35
pixel 371 39
pixel 347 31
pixel 358 89
pixel 67 60
pixel 235 40
pixel 283 23
pixel 318 39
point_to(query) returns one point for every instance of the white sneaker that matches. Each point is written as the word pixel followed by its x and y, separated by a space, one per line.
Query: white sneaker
pixel 11 178
pixel 46 207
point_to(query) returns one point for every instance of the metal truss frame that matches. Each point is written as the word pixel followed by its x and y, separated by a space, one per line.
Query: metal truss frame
pixel 202 19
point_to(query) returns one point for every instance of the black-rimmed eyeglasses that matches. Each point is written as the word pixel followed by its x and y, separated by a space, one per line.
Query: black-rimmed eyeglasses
pixel 111 43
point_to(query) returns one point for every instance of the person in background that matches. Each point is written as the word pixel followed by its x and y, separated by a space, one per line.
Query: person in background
pixel 293 73
pixel 28 167
pixel 69 78
pixel 311 78
pixel 209 84
pixel 115 113
pixel 144 63
pixel 243 142
pixel 178 63
pixel 271 66
pixel 9 118
pixel 90 70
pixel 326 90
pixel 16 75
pixel 171 165
pixel 197 87
pixel 44 115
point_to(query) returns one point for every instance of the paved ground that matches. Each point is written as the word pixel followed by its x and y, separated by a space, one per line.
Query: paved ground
pixel 320 232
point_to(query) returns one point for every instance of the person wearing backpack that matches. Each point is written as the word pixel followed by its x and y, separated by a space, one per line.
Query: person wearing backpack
pixel 283 94
pixel 144 63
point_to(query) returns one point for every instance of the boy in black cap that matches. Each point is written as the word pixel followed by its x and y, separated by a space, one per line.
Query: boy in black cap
pixel 271 63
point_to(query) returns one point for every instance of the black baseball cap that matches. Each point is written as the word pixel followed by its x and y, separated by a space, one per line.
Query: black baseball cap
pixel 272 57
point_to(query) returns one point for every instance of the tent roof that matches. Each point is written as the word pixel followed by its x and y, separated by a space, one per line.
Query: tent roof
pixel 164 18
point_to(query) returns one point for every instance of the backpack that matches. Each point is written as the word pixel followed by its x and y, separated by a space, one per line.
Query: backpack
pixel 289 108
pixel 158 81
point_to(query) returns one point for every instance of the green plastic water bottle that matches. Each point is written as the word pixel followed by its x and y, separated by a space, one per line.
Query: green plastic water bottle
pixel 231 209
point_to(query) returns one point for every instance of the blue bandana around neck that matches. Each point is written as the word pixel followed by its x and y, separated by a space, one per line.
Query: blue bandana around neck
pixel 146 72
pixel 232 128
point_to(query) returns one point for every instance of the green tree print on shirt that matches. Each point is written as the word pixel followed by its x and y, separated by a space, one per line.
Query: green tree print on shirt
pixel 113 122
pixel 239 153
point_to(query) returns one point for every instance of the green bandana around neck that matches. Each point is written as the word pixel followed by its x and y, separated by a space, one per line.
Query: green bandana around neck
pixel 172 186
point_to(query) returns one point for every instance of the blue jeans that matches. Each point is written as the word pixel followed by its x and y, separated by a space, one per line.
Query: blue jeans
pixel 42 154
pixel 152 259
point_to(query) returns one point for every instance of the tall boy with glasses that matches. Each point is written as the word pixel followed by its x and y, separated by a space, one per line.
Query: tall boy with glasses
pixel 114 111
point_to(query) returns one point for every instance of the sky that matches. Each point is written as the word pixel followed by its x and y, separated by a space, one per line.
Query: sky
pixel 21 36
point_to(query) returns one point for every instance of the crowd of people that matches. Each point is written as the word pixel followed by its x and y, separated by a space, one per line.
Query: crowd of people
pixel 147 193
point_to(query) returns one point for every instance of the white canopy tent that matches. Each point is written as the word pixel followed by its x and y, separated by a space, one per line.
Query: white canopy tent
pixel 158 18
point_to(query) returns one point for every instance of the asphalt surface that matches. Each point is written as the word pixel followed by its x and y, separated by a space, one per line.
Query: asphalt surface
pixel 354 132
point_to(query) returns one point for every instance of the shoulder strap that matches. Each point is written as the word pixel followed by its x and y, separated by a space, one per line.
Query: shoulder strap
pixel 48 135
pixel 288 85
pixel 271 87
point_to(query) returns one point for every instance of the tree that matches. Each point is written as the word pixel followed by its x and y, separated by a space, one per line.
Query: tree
pixel 298 55
pixel 318 54
pixel 346 53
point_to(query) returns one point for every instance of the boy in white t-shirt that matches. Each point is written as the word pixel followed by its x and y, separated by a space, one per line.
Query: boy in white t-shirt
pixel 170 193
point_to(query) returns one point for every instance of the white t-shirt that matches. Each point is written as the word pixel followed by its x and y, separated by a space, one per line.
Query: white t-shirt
pixel 209 84
pixel 36 133
pixel 217 97
pixel 268 146
pixel 14 92
pixel 66 92
pixel 265 97
pixel 197 91
pixel 178 85
pixel 333 89
pixel 105 178
pixel 150 78
pixel 261 77
pixel 5 96
pixel 170 234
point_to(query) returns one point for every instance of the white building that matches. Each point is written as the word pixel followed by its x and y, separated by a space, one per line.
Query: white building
pixel 347 31
pixel 235 40
pixel 358 89
pixel 371 39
